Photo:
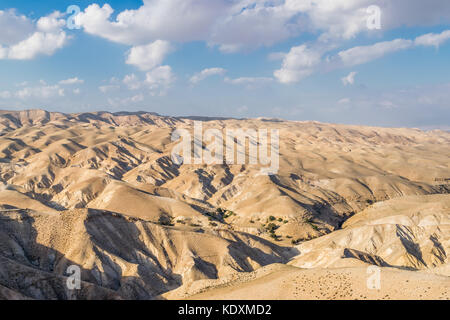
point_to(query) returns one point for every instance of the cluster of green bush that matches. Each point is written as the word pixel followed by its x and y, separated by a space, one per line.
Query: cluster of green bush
pixel 224 213
pixel 311 223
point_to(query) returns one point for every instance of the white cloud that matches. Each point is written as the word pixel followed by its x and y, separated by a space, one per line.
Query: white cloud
pixel 51 23
pixel 206 73
pixel 433 39
pixel 25 40
pixel 239 24
pixel 364 54
pixel 171 20
pixel 249 82
pixel 302 61
pixel 125 102
pixel 41 92
pixel 71 81
pixel 149 56
pixel 159 80
pixel 350 79
pixel 344 101
pixel 15 28
pixel 299 63
pixel 132 82
pixel 388 104
pixel 5 94
pixel 251 24
pixel 39 43
pixel 108 88
pixel 77 91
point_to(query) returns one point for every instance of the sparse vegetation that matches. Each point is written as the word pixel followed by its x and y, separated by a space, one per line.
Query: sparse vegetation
pixel 224 214
pixel 194 225
pixel 166 221
pixel 275 237
pixel 271 227
pixel 311 223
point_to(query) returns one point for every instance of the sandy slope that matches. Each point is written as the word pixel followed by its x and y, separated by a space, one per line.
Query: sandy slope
pixel 101 190
pixel 283 282
pixel 412 232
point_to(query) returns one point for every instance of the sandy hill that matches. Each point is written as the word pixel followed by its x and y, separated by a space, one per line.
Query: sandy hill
pixel 100 190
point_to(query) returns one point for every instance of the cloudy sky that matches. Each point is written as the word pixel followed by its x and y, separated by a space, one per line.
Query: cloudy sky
pixel 373 62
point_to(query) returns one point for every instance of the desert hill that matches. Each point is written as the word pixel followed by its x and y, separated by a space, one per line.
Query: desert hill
pixel 100 190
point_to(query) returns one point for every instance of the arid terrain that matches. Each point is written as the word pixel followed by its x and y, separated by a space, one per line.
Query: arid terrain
pixel 100 191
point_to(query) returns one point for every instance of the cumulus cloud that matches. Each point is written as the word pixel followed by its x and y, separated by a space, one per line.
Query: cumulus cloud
pixel 132 82
pixel 304 60
pixel 149 56
pixel 126 102
pixel 39 43
pixel 350 79
pixel 51 23
pixel 298 64
pixel 5 94
pixel 40 92
pixel 239 24
pixel 252 24
pixel 15 27
pixel 231 24
pixel 159 80
pixel 364 54
pixel 71 81
pixel 236 25
pixel 205 73
pixel 433 39
pixel 249 82
pixel 171 20
pixel 22 39
pixel 108 88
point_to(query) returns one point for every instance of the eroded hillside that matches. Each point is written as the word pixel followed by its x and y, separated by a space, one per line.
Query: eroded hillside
pixel 101 191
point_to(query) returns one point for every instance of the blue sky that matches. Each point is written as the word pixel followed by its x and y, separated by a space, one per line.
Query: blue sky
pixel 294 59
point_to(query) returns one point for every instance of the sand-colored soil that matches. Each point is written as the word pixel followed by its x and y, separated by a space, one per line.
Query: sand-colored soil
pixel 101 191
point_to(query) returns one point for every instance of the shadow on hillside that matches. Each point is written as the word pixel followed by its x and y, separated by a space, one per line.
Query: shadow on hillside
pixel 115 246
pixel 39 272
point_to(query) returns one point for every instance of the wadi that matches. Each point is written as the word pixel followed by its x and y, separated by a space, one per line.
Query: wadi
pixel 351 212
